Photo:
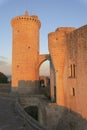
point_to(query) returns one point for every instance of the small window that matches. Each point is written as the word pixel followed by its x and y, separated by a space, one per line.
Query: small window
pixel 17 66
pixel 28 47
pixel 73 89
pixel 72 71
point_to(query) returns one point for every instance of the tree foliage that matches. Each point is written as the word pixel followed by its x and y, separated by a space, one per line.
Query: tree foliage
pixel 3 78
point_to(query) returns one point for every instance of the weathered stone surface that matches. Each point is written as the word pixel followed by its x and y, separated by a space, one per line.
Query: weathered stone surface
pixel 9 117
pixel 26 59
pixel 68 55
pixel 68 50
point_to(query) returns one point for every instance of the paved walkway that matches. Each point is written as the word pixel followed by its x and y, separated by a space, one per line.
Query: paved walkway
pixel 9 117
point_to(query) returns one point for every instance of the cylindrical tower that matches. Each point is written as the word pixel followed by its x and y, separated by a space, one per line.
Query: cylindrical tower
pixel 57 47
pixel 25 50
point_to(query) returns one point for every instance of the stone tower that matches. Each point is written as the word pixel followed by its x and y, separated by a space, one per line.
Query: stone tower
pixel 57 47
pixel 68 52
pixel 25 51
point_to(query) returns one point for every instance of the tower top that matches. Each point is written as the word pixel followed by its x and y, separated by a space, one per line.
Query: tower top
pixel 25 18
pixel 26 13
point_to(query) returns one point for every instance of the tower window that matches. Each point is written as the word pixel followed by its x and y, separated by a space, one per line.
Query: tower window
pixel 73 89
pixel 72 71
pixel 17 66
pixel 28 47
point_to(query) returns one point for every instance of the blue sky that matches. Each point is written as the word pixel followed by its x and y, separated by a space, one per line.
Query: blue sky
pixel 51 13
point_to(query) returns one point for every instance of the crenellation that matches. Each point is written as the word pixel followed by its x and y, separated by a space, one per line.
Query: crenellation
pixel 23 19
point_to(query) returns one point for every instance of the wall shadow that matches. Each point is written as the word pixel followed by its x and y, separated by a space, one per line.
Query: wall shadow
pixel 30 87
pixel 33 87
pixel 67 120
pixel 5 87
pixel 32 111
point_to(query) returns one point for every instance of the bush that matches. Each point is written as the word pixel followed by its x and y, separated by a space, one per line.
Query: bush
pixel 3 78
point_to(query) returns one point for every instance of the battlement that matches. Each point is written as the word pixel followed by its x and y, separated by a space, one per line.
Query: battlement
pixel 65 29
pixel 25 18
pixel 52 35
pixel 60 31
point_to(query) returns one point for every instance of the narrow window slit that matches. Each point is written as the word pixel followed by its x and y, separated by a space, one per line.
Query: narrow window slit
pixel 73 89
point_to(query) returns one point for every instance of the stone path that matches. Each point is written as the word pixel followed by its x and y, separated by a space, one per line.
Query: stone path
pixel 9 117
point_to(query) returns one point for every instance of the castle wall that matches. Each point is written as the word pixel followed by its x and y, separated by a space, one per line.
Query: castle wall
pixel 68 50
pixel 57 48
pixel 77 55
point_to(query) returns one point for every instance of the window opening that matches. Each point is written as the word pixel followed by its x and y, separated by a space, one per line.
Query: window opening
pixel 72 70
pixel 73 89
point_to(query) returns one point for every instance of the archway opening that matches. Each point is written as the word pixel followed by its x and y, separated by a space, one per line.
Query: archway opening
pixel 32 111
pixel 44 69
pixel 44 77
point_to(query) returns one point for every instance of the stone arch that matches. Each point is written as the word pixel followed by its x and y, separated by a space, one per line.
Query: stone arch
pixel 43 90
pixel 43 58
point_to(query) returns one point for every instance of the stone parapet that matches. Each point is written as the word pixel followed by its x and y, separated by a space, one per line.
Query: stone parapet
pixel 30 121
pixel 25 19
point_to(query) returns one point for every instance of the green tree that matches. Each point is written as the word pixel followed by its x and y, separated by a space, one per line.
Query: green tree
pixel 3 78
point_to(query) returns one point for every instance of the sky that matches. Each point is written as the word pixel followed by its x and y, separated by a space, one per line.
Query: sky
pixel 51 13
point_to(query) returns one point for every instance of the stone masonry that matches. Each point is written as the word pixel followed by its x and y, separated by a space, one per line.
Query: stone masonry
pixel 68 51
pixel 68 61
pixel 25 55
